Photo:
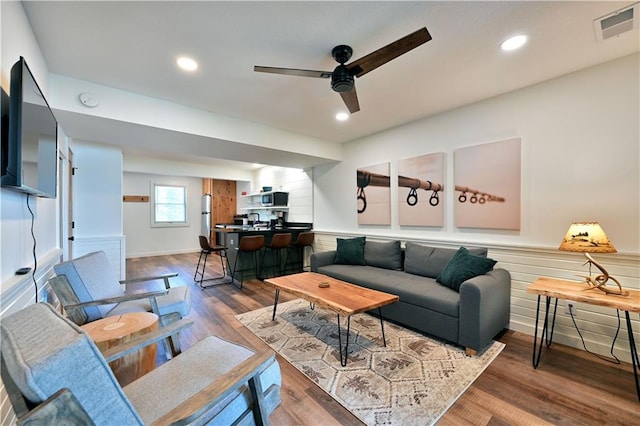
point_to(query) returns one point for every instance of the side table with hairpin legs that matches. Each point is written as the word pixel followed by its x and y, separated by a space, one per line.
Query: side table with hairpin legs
pixel 581 293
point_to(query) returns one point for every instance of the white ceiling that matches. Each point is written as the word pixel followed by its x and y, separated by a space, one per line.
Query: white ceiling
pixel 133 46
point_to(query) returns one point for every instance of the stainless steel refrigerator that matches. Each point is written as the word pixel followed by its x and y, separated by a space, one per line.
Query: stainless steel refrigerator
pixel 206 216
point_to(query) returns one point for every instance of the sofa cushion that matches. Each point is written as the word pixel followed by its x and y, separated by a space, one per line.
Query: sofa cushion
pixel 463 266
pixel 412 289
pixel 431 261
pixel 383 255
pixel 350 251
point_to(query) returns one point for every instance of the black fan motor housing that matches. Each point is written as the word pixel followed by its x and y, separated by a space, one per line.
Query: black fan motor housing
pixel 341 79
pixel 342 53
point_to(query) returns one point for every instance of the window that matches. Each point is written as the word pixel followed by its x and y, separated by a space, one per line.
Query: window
pixel 169 205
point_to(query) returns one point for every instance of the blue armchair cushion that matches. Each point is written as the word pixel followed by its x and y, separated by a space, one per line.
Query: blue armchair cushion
pixel 45 352
pixel 464 266
pixel 92 278
pixel 192 371
pixel 350 251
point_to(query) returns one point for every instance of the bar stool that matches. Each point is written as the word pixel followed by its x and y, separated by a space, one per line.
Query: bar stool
pixel 249 245
pixel 279 245
pixel 304 240
pixel 206 250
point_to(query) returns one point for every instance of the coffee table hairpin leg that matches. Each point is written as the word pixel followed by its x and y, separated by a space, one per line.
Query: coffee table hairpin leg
pixel 275 304
pixel 343 358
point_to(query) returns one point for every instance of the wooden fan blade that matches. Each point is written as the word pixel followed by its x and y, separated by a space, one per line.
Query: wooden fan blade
pixel 389 52
pixel 350 99
pixel 294 71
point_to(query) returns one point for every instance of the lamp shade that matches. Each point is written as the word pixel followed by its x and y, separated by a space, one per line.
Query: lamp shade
pixel 587 237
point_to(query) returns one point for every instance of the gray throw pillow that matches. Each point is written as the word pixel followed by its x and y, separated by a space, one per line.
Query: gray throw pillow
pixel 464 266
pixel 430 261
pixel 383 255
pixel 350 251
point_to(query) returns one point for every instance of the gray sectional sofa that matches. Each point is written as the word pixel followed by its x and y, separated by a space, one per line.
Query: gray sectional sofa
pixel 436 297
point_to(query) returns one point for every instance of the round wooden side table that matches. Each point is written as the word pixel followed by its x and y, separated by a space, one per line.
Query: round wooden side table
pixel 111 331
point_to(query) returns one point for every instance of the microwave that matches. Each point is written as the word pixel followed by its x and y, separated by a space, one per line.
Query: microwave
pixel 275 199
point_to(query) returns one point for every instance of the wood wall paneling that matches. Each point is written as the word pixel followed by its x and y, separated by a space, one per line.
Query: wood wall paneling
pixel 223 201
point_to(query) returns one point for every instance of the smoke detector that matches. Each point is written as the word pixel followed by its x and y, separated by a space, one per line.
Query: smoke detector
pixel 88 99
pixel 618 22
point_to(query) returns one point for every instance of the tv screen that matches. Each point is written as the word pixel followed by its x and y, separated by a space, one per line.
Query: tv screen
pixel 30 152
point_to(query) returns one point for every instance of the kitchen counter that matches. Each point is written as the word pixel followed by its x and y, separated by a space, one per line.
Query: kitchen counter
pixel 229 235
pixel 259 229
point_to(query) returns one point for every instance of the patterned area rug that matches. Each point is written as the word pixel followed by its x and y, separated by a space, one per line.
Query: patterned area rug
pixel 413 380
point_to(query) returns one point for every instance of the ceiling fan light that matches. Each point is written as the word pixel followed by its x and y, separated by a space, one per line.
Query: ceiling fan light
pixel 342 116
pixel 513 43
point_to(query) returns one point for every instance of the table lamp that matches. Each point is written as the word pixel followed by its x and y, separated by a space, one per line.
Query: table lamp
pixel 589 237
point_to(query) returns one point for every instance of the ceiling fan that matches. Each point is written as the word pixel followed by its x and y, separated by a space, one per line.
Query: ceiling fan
pixel 342 77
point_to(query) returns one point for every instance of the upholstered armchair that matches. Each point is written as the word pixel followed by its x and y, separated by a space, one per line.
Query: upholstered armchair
pixel 48 361
pixel 93 292
pixel 88 290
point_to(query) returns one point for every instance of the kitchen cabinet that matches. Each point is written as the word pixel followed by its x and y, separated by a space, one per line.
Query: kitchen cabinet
pixel 254 202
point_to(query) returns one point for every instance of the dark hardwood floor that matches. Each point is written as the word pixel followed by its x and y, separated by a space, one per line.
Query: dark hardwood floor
pixel 570 387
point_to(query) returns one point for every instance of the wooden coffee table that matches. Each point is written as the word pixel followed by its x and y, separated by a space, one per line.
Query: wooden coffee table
pixel 339 296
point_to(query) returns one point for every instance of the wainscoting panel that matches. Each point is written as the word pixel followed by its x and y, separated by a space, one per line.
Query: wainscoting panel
pixel 598 325
pixel 113 246
pixel 18 292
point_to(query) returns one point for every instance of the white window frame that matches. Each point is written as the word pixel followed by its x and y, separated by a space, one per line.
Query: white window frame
pixel 157 224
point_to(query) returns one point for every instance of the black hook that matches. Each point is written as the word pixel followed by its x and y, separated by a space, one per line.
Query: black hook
pixel 434 200
pixel 412 198
pixel 463 197
pixel 362 197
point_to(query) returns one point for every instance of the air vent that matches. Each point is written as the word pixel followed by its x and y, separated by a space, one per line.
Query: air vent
pixel 616 23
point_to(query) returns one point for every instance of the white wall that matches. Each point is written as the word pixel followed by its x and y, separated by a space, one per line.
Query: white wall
pixel 97 190
pixel 16 243
pixel 142 239
pixel 221 169
pixel 580 159
pixel 223 135
pixel 298 183
pixel 97 202
pixel 15 227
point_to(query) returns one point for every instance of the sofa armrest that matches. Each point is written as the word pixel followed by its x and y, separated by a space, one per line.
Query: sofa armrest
pixel 322 259
pixel 485 308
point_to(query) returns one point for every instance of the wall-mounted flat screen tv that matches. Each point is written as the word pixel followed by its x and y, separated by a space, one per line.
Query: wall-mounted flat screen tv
pixel 30 150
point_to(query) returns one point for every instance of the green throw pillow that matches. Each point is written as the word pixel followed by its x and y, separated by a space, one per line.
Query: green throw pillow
pixel 350 251
pixel 464 266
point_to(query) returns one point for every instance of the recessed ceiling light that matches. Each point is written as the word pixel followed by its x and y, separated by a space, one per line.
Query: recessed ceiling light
pixel 513 43
pixel 187 64
pixel 342 116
